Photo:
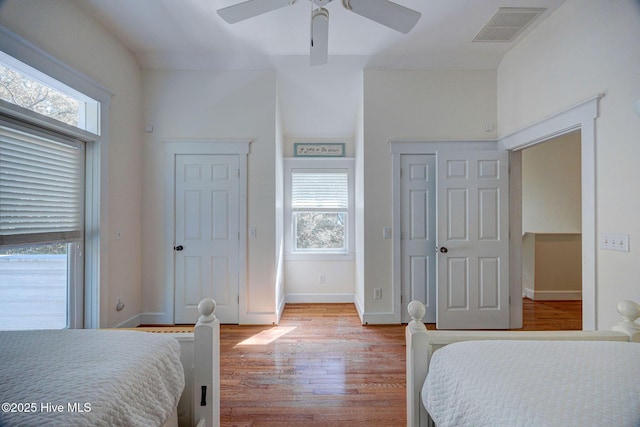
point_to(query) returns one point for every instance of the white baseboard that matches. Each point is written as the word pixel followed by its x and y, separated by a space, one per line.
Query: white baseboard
pixel 132 322
pixel 253 318
pixel 155 319
pixel 552 295
pixel 319 298
pixel 380 319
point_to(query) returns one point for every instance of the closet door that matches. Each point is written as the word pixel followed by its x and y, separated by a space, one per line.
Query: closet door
pixel 473 240
pixel 418 232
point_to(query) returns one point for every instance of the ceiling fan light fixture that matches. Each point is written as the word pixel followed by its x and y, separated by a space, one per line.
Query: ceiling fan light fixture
pixel 319 36
pixel 384 12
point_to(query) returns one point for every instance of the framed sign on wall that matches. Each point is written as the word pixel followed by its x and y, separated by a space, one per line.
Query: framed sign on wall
pixel 318 149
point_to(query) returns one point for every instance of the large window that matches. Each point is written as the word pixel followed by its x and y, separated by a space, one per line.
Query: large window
pixel 41 227
pixel 319 200
pixel 42 198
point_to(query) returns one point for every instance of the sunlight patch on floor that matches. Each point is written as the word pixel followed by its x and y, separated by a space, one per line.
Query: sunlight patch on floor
pixel 268 336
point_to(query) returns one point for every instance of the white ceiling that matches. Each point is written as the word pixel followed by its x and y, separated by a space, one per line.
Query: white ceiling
pixel 189 34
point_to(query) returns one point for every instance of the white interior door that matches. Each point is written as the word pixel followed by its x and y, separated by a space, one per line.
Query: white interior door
pixel 206 235
pixel 418 232
pixel 473 239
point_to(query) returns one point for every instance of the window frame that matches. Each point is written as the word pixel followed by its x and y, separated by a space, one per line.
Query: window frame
pixel 92 308
pixel 319 165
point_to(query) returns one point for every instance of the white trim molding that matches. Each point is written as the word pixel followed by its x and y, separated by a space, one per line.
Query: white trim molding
pixel 319 298
pixel 552 295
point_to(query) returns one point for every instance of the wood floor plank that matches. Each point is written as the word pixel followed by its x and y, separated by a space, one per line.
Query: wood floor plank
pixel 321 367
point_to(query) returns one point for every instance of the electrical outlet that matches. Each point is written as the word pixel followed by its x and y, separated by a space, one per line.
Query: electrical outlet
pixel 614 242
pixel 377 293
pixel 386 233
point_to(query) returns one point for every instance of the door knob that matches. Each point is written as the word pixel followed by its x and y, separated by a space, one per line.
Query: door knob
pixel 444 250
pixel 178 248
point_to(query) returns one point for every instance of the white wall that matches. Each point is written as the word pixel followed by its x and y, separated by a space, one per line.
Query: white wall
pixel 214 105
pixel 424 105
pixel 588 47
pixel 319 102
pixel 67 32
pixel 302 281
pixel 551 199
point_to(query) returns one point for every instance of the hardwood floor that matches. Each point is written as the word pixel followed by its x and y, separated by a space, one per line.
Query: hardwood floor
pixel 321 367
pixel 551 315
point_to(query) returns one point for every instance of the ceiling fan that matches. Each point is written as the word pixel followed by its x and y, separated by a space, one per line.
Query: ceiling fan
pixel 384 12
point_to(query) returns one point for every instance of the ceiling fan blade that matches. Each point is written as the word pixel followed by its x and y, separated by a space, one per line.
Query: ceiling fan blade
pixel 319 36
pixel 250 8
pixel 385 12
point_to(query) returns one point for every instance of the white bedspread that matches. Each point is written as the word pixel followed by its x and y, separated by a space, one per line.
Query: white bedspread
pixel 534 383
pixel 88 378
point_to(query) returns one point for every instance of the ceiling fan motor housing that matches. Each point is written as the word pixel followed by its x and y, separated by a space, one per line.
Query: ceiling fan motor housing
pixel 321 3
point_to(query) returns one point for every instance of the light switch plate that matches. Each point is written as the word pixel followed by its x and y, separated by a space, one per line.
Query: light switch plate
pixel 614 242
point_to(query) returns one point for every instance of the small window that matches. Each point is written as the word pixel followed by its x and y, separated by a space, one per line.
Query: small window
pixel 320 203
pixel 318 207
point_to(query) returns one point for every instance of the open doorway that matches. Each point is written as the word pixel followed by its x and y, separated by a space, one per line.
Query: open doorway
pixel 552 225
pixel 579 118
pixel 552 219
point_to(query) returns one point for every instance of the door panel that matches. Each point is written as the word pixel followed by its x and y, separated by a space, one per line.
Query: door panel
pixel 473 271
pixel 458 283
pixel 207 212
pixel 418 230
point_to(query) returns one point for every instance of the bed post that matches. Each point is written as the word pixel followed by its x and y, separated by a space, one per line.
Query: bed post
pixel 206 370
pixel 630 312
pixel 417 364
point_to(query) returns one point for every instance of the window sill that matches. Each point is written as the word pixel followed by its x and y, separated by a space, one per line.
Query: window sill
pixel 351 256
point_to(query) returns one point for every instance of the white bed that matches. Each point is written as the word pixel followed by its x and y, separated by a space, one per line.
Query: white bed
pixel 510 378
pixel 111 377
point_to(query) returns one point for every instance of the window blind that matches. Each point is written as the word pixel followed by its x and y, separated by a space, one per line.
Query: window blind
pixel 326 191
pixel 41 188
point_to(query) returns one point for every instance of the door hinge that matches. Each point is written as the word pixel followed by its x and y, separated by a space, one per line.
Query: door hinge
pixel 238 236
pixel 238 171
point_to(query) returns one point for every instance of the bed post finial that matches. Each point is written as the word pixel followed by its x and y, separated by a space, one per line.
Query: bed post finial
pixel 417 311
pixel 630 312
pixel 207 307
pixel 206 372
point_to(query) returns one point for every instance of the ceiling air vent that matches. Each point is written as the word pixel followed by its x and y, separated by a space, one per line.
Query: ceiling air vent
pixel 507 24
